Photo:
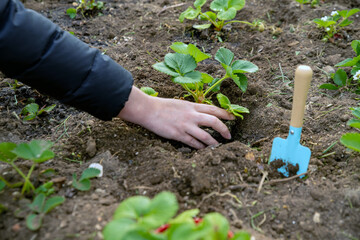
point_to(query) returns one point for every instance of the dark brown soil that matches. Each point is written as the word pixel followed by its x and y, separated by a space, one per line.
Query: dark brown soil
pixel 225 178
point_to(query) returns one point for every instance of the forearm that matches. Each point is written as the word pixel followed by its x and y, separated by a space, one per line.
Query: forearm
pixel 37 52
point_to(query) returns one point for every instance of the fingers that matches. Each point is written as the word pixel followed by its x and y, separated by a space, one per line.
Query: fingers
pixel 191 141
pixel 215 111
pixel 202 136
pixel 215 123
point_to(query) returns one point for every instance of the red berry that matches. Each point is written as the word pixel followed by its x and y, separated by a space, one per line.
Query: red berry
pixel 230 235
pixel 163 228
pixel 198 220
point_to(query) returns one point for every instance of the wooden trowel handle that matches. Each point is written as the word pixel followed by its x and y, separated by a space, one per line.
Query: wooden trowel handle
pixel 303 75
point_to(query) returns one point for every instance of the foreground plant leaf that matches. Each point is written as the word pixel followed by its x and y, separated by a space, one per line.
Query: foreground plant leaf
pixel 6 154
pixel 351 140
pixel 34 221
pixel 37 151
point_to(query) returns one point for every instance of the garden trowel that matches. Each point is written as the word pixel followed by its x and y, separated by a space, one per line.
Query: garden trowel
pixel 295 157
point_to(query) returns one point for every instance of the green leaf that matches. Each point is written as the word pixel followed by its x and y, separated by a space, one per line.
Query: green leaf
pixel 223 100
pixel 83 185
pixel 180 47
pixel 219 5
pixel 191 77
pixel 340 77
pixel 210 15
pixel 237 4
pixel 45 188
pixel 31 108
pixel 217 88
pixel 356 46
pixel 351 140
pixel 345 23
pixel 354 123
pixel 219 225
pixel 206 78
pixel 6 154
pixel 242 235
pixel 197 54
pixel 356 112
pixel 227 15
pixel 186 216
pixel 132 208
pixel 149 91
pixel 37 151
pixel 199 3
pixel 38 204
pixel 2 186
pixel 349 62
pixel 188 231
pixel 348 13
pixel 239 109
pixel 53 202
pixel 162 67
pixel 202 26
pixel 34 221
pixel 189 13
pixel 161 209
pixel 241 66
pixel 49 108
pixel 328 86
pixel 71 12
pixel 89 173
pixel 224 56
pixel 242 83
pixel 118 228
pixel 182 63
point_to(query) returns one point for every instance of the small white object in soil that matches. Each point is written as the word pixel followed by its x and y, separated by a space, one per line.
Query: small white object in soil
pixel 316 217
pixel 97 166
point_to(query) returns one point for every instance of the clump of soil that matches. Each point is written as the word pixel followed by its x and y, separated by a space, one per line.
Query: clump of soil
pixel 290 168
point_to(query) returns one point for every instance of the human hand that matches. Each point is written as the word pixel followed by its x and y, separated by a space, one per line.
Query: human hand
pixel 176 119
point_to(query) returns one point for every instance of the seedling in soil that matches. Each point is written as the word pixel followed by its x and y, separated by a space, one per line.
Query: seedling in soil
pixel 31 111
pixel 341 78
pixel 39 207
pixel 312 3
pixel 334 23
pixel 223 11
pixel 149 91
pixel 232 108
pixel 352 140
pixel 85 7
pixel 84 184
pixel 37 151
pixel 142 218
pixel 182 64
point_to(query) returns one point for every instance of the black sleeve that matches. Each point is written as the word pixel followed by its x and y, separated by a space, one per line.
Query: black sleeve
pixel 38 53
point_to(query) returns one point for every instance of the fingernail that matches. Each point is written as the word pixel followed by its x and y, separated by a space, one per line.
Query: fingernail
pixel 229 136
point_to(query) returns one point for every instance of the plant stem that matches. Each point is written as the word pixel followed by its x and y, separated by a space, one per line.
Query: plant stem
pixel 191 92
pixel 210 20
pixel 22 175
pixel 213 86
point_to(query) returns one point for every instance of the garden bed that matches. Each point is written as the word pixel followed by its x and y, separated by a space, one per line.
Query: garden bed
pixel 224 178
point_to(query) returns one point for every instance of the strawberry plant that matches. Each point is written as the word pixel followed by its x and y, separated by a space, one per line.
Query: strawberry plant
pixel 352 140
pixel 223 11
pixel 37 151
pixel 142 218
pixel 334 23
pixel 84 184
pixel 181 67
pixel 31 111
pixel 312 3
pixel 39 207
pixel 85 7
pixel 340 78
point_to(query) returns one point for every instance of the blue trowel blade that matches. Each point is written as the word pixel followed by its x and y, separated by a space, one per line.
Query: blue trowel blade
pixel 290 151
